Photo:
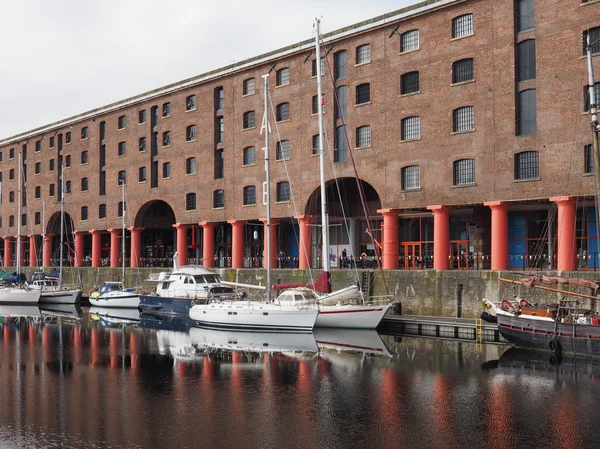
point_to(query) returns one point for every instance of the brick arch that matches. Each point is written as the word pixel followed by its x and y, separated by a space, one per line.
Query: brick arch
pixel 155 214
pixel 343 194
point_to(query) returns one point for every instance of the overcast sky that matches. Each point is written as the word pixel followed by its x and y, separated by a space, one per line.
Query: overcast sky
pixel 59 58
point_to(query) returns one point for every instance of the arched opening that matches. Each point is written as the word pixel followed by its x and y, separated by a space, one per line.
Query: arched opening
pixel 54 228
pixel 158 237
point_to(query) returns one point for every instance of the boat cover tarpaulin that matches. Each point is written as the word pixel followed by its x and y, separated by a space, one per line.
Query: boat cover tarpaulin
pixel 551 280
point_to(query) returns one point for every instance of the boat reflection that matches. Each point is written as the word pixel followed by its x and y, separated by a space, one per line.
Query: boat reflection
pixel 114 317
pixel 19 311
pixel 63 311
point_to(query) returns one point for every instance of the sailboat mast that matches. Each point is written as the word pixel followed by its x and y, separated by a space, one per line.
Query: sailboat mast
pixel 594 116
pixel 62 223
pixel 123 232
pixel 268 186
pixel 19 201
pixel 324 214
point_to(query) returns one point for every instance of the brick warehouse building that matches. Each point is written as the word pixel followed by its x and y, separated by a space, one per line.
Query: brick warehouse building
pixel 466 119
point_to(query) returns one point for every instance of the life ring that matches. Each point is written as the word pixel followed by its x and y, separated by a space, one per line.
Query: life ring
pixel 524 303
pixel 554 345
pixel 506 305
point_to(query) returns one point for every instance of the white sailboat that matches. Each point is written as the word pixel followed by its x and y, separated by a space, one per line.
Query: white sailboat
pixel 258 314
pixel 345 307
pixel 53 290
pixel 19 293
pixel 111 293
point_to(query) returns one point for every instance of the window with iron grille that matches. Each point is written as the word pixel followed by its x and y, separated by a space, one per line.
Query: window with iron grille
pixel 464 172
pixel 283 76
pixel 409 83
pixel 249 156
pixel 220 129
pixel 190 103
pixel 121 178
pixel 219 164
pixel 84 132
pixel 23 219
pixel 249 87
pixel 84 157
pixel 68 137
pixel 166 140
pixel 315 144
pixel 84 184
pixel 38 218
pixel 314 66
pixel 363 136
pixel 51 144
pixel 50 165
pixel 526 113
pixel 142 116
pixel 38 191
pixel 121 208
pixel 101 210
pixel 249 120
pixel 11 197
pixel 363 93
pixel 68 160
pixel 315 104
pixel 282 112
pixel 411 177
pixel 122 122
pixel 411 128
pixel 166 170
pixel 122 149
pixel 363 54
pixel 409 41
pixel 11 221
pixel 84 212
pixel 11 172
pixel 38 168
pixel 219 98
pixel 340 151
pixel 525 15
pixel 527 165
pixel 463 119
pixel 283 150
pixel 11 153
pixel 166 109
pixel 341 102
pixel 190 201
pixel 526 60
pixel 586 96
pixel 190 133
pixel 283 191
pixel 190 166
pixel 588 155
pixel 594 35
pixel 218 199
pixel 142 174
pixel 142 144
pixel 462 25
pixel 51 190
pixel 340 65
pixel 38 146
pixel 462 71
pixel 102 183
pixel 249 195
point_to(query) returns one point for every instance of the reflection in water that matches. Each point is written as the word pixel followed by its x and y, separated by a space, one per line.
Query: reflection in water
pixel 99 380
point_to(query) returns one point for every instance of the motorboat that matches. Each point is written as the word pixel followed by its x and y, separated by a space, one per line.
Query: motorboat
pixel 113 294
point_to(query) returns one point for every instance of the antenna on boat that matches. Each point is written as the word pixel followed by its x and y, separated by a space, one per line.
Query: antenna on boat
pixel 267 193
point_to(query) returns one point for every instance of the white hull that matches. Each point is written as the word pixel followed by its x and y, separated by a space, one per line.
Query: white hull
pixel 342 296
pixel 60 296
pixel 254 314
pixel 11 295
pixel 253 341
pixel 351 316
pixel 125 300
pixel 112 316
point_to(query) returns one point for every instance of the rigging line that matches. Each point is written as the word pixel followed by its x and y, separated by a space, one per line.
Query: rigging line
pixel 360 188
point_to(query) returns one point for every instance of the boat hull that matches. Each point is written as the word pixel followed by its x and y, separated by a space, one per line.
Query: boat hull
pixel 523 331
pixel 19 296
pixel 60 297
pixel 351 316
pixel 254 315
pixel 169 306
pixel 124 301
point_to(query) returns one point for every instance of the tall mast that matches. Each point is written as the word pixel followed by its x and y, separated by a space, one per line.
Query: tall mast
pixel 324 214
pixel 594 116
pixel 19 200
pixel 123 232
pixel 62 223
pixel 267 185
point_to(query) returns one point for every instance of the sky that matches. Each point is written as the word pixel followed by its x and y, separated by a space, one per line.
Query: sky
pixel 59 58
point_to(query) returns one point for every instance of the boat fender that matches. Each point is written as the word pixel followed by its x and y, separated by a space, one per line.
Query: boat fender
pixel 506 305
pixel 554 345
pixel 488 318
pixel 524 303
pixel 595 320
